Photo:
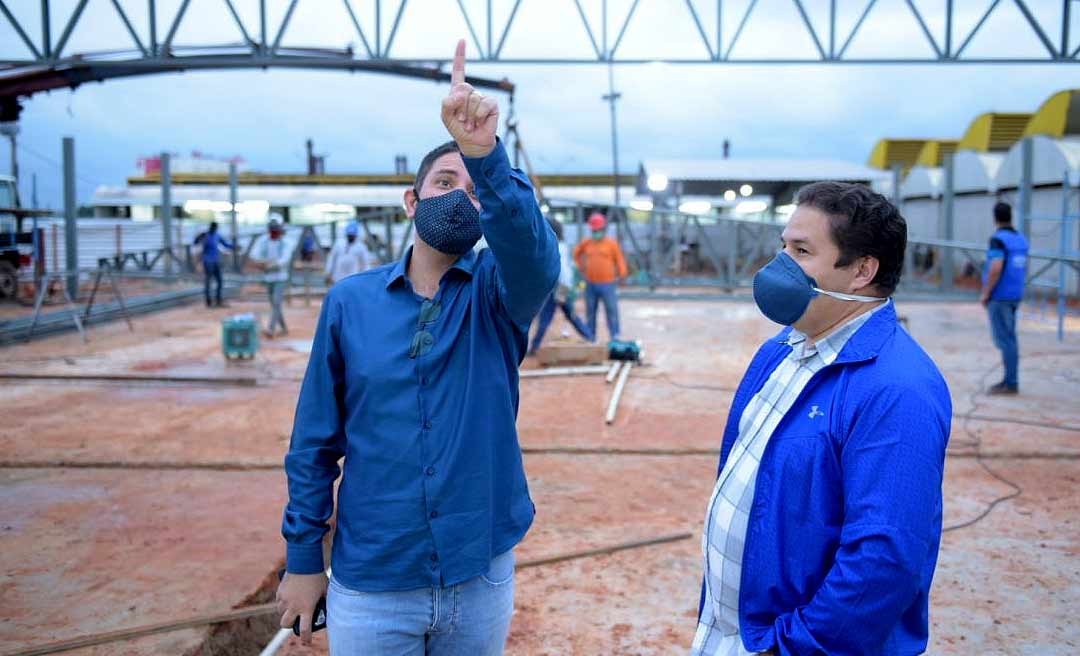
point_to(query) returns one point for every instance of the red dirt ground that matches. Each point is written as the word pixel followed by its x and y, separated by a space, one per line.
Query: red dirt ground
pixel 106 546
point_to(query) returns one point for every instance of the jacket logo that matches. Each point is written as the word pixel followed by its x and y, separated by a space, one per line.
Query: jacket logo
pixel 814 412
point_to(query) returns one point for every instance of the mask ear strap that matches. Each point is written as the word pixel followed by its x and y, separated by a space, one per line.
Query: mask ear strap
pixel 850 297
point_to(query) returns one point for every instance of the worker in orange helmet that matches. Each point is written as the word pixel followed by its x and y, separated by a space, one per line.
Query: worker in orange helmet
pixel 600 260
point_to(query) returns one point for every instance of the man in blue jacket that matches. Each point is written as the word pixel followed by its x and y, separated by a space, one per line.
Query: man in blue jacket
pixel 822 532
pixel 1002 291
pixel 413 380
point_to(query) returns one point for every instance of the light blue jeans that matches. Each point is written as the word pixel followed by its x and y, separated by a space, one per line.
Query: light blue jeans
pixel 596 293
pixel 276 292
pixel 468 619
pixel 1003 329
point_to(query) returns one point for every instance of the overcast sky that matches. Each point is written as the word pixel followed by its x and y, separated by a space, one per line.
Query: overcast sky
pixel 361 121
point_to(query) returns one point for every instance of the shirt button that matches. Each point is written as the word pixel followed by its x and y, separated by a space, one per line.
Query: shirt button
pixel 434 514
pixel 423 381
pixel 434 558
pixel 427 425
pixel 430 471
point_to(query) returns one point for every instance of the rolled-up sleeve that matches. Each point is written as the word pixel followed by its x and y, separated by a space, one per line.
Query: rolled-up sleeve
pixel 318 442
pixel 526 252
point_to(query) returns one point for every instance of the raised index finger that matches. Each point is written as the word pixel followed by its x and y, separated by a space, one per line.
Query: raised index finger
pixel 457 76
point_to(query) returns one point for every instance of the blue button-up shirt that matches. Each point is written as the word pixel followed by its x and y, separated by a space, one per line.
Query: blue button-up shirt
pixel 420 398
pixel 211 247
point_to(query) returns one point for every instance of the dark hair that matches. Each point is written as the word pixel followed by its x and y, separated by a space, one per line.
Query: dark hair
pixel 213 226
pixel 429 161
pixel 556 227
pixel 861 223
pixel 1002 213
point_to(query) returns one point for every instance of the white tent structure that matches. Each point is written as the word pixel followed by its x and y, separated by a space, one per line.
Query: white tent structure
pixel 1051 159
pixel 920 193
pixel 976 172
pixel 975 192
pixel 1055 176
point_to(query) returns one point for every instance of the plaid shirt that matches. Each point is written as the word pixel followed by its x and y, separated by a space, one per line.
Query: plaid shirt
pixel 729 507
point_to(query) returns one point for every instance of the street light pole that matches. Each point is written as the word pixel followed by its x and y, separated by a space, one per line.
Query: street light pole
pixel 612 97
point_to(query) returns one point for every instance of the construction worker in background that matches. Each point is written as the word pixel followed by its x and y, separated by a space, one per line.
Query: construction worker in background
pixel 348 256
pixel 1002 291
pixel 211 243
pixel 561 297
pixel 308 244
pixel 272 254
pixel 413 380
pixel 601 262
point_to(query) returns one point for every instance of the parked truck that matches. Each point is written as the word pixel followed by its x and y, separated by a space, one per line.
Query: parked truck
pixel 19 251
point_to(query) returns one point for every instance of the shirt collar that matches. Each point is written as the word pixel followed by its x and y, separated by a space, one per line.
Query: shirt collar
pixel 831 345
pixel 466 263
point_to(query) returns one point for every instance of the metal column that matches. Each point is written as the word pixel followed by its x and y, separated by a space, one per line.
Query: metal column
pixel 1063 266
pixel 733 254
pixel 653 229
pixel 389 237
pixel 579 217
pixel 71 246
pixel 235 229
pixel 947 227
pixel 166 212
pixel 1027 151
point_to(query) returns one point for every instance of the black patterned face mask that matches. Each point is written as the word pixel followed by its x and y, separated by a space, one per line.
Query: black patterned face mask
pixel 449 223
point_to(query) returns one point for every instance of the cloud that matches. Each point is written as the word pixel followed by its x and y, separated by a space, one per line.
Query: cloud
pixel 667 110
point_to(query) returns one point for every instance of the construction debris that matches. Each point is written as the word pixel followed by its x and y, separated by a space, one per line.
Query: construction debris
pixel 567 353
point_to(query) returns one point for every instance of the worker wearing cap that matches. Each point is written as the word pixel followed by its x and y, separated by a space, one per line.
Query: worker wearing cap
pixel 348 256
pixel 600 260
pixel 272 253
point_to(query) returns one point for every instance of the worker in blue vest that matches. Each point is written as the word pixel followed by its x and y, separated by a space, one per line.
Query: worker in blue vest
pixel 1002 289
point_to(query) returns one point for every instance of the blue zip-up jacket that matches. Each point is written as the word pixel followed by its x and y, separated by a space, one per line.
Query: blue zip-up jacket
pixel 844 531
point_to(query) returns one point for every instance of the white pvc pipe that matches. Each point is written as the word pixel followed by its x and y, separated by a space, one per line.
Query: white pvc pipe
pixel 617 394
pixel 614 371
pixel 275 644
pixel 563 371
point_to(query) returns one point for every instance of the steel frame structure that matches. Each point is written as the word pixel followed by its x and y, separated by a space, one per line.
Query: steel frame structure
pixel 262 45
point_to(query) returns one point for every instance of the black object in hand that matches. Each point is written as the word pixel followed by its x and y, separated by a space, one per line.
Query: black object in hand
pixel 318 622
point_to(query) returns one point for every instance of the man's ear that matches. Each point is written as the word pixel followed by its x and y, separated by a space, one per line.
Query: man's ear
pixel 866 269
pixel 409 199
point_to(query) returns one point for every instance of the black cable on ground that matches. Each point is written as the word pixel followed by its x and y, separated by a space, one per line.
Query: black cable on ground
pixel 976 443
pixel 691 386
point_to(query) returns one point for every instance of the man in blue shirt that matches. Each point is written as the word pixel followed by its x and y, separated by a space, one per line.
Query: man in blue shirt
pixel 211 260
pixel 1002 289
pixel 822 533
pixel 413 380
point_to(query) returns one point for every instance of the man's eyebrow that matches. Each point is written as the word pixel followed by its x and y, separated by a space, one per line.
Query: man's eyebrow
pixel 446 172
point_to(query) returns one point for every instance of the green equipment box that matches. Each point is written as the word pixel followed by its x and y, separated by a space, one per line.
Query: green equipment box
pixel 240 337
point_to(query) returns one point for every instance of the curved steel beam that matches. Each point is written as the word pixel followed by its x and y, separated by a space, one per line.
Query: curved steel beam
pixel 25 81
